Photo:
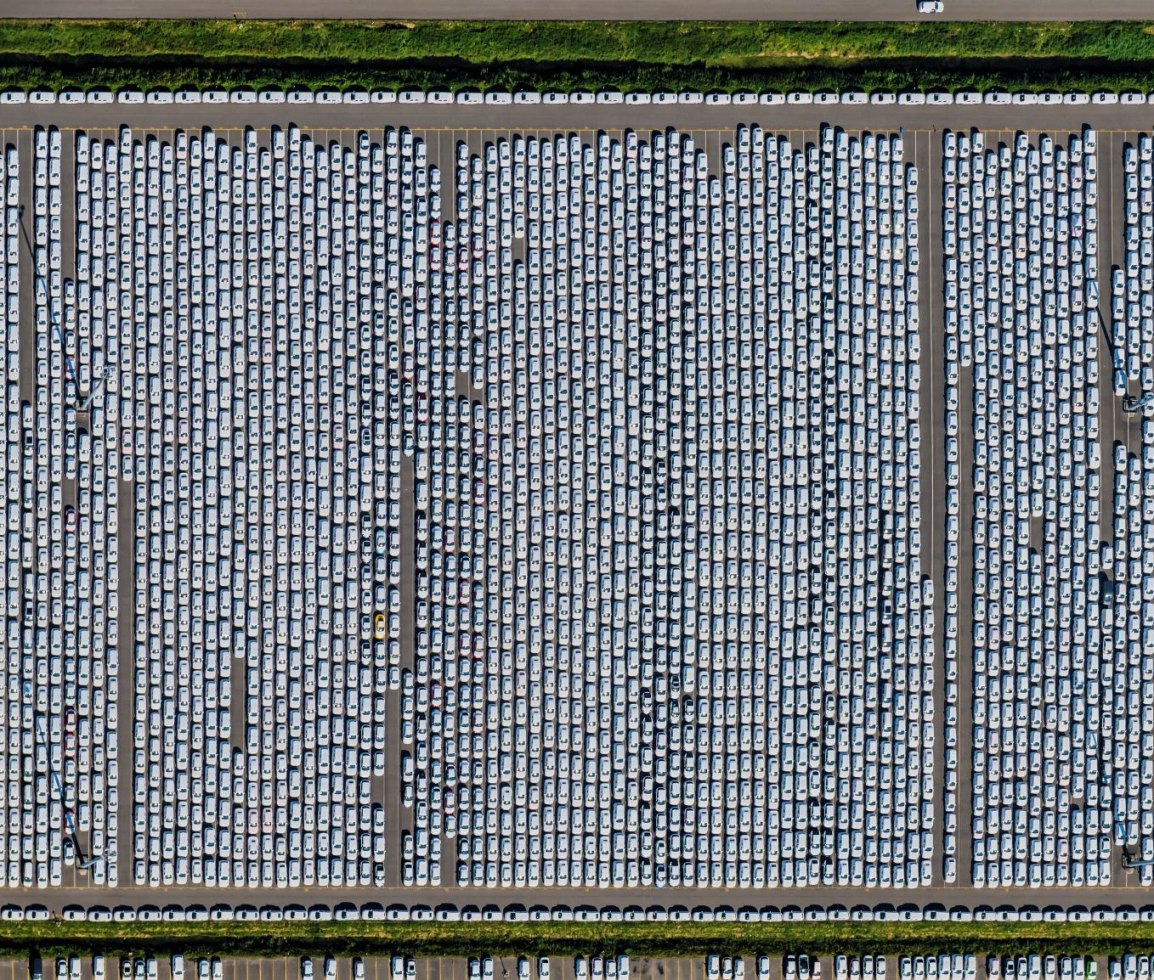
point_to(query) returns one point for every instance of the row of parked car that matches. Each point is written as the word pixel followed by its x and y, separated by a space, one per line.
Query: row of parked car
pixel 1130 966
pixel 59 583
pixel 255 422
pixel 1133 281
pixel 698 444
pixel 946 966
pixel 1126 678
pixel 273 334
pixel 597 461
pixel 1020 235
pixel 1035 966
pixel 559 912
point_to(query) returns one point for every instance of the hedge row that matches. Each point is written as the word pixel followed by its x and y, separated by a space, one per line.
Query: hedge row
pixel 572 78
pixel 637 938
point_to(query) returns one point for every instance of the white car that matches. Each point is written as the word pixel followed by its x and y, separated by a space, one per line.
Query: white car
pixel 930 6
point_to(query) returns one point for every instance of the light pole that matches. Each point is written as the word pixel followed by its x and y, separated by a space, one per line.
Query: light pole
pixel 69 822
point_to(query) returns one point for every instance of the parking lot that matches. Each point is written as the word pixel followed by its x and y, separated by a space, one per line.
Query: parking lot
pixel 433 509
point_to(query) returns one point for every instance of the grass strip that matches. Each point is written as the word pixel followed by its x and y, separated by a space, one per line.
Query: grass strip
pixel 566 56
pixel 700 43
pixel 1060 75
pixel 685 938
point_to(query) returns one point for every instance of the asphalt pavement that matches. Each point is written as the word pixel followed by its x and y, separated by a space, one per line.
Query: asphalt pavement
pixel 851 10
pixel 925 152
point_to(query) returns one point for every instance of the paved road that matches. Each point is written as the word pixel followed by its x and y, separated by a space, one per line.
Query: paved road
pixel 924 150
pixel 587 9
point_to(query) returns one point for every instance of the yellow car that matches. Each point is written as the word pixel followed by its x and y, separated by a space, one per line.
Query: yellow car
pixel 380 626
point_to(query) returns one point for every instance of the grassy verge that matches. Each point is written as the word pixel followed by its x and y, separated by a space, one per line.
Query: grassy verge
pixel 641 938
pixel 572 55
pixel 748 45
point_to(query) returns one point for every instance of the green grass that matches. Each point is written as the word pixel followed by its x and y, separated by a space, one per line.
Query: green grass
pixel 917 77
pixel 748 45
pixel 580 54
pixel 642 938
